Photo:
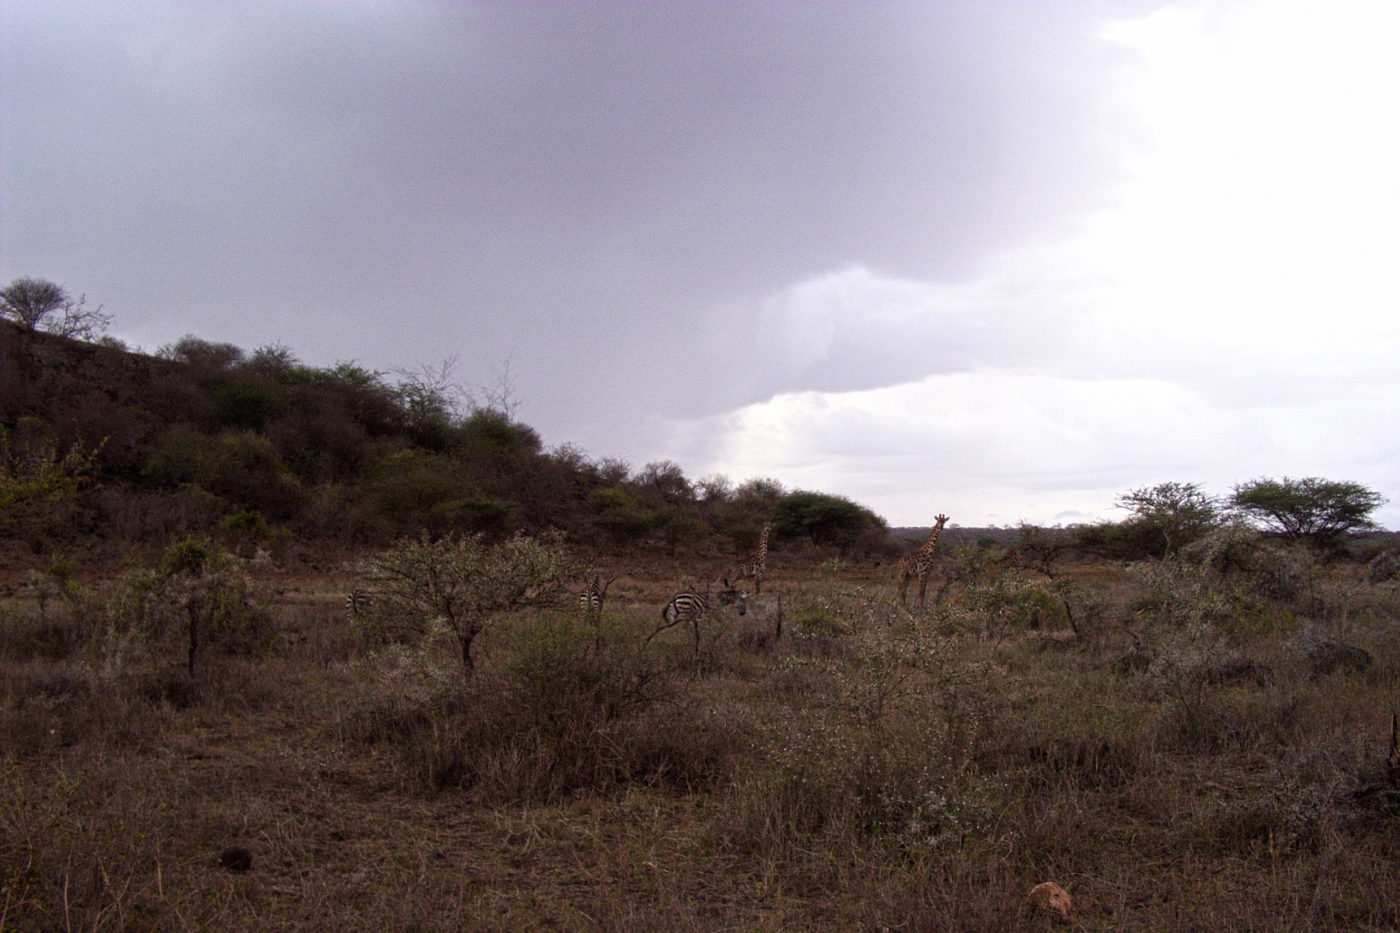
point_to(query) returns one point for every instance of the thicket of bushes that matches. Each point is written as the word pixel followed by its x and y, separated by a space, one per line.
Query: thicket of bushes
pixel 205 438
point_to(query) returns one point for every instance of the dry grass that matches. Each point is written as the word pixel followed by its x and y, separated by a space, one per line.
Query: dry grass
pixel 1182 764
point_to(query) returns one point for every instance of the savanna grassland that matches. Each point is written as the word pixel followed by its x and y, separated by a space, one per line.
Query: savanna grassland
pixel 1177 746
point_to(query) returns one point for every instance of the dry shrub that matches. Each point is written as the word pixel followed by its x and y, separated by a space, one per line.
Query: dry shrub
pixel 1383 567
pixel 45 707
pixel 198 601
pixel 87 845
pixel 572 708
pixel 56 618
pixel 50 636
pixel 876 749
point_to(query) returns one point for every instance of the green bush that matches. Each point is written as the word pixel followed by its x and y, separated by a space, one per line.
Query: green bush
pixel 827 521
pixel 620 515
pixel 243 468
pixel 248 401
pixel 417 490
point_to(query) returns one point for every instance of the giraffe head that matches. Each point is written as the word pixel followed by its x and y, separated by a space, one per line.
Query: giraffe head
pixel 940 521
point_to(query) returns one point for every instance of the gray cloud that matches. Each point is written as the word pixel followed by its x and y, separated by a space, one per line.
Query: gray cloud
pixel 617 169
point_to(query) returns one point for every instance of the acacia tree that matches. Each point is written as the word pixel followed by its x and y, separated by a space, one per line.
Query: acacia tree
pixel 1175 513
pixel 467 582
pixel 1312 508
pixel 37 304
pixel 1164 518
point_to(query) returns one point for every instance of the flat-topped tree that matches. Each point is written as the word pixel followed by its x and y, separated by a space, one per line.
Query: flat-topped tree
pixel 1308 509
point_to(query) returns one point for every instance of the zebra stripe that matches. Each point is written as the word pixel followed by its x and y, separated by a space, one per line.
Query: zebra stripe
pixel 683 607
pixel 358 601
pixel 590 601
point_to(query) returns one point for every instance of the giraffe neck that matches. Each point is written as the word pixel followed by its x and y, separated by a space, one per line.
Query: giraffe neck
pixel 925 552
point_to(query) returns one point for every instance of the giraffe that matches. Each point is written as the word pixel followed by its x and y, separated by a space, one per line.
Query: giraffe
pixel 756 564
pixel 920 563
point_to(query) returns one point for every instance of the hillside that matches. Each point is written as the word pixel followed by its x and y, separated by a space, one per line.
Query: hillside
pixel 261 450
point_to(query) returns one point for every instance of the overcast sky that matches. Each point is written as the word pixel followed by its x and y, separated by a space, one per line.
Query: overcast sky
pixel 1002 260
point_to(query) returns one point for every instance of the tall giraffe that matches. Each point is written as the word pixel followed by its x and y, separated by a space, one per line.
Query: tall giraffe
pixel 756 564
pixel 920 563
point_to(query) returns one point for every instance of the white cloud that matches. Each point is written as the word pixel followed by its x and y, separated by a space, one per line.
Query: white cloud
pixel 998 447
pixel 1232 315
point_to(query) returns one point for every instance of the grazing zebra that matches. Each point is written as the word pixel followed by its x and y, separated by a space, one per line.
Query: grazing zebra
pixel 694 608
pixel 357 603
pixel 590 601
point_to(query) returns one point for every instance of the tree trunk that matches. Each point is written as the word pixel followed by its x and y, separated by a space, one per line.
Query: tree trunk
pixel 193 611
pixel 467 629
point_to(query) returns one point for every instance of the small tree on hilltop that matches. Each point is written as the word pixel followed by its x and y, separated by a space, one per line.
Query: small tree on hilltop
pixel 1313 509
pixel 467 582
pixel 36 304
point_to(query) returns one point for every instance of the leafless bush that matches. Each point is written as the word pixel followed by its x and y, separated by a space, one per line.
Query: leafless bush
pixel 1272 569
pixel 1383 567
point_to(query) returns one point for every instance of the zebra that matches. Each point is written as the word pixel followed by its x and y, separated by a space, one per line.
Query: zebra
pixel 590 601
pixel 357 602
pixel 693 608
